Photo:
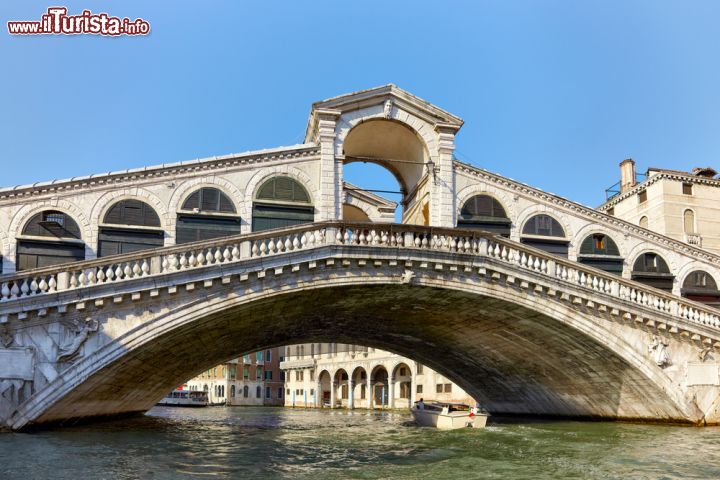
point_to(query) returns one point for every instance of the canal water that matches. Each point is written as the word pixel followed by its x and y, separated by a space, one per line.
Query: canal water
pixel 269 443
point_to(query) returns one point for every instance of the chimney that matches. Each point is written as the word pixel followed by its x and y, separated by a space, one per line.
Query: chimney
pixel 627 175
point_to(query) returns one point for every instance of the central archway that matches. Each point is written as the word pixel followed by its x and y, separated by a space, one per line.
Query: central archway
pixel 397 148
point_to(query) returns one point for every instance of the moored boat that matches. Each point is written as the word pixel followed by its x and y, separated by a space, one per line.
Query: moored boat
pixel 448 416
pixel 184 398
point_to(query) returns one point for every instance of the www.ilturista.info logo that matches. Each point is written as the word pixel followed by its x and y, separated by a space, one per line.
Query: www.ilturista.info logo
pixel 57 22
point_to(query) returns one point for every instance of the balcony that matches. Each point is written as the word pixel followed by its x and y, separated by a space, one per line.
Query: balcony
pixel 694 240
pixel 300 363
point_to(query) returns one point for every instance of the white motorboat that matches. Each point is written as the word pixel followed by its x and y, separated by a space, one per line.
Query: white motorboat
pixel 448 416
pixel 184 398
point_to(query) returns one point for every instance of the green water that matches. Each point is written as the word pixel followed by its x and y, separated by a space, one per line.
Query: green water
pixel 317 444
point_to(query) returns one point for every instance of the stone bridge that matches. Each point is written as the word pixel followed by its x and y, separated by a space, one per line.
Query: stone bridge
pixel 524 331
pixel 115 287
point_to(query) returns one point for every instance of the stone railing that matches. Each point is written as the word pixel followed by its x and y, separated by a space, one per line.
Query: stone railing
pixel 228 250
pixel 693 239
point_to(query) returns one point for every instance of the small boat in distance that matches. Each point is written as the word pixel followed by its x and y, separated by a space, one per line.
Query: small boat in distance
pixel 184 398
pixel 447 416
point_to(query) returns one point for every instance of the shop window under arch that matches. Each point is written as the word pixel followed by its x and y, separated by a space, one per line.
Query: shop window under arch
pixel 700 286
pixel 281 202
pixel 486 213
pixel 652 270
pixel 49 238
pixel 129 226
pixel 544 232
pixel 207 213
pixel 600 251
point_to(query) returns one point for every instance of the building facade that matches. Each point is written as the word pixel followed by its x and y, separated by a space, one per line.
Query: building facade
pixel 681 205
pixel 350 376
pixel 253 379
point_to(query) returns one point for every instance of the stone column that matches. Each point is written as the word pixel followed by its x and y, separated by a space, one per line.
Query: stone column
pixel 351 396
pixel 318 395
pixel 369 393
pixel 391 392
pixel 332 393
pixel 442 203
pixel 329 201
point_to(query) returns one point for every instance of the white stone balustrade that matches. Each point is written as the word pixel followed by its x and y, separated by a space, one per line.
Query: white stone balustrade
pixel 277 242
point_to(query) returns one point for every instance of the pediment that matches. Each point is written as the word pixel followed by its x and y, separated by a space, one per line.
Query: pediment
pixel 401 99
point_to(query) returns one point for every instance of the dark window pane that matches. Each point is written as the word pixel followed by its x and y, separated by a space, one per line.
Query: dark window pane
pixel 52 224
pixel 283 189
pixel 38 254
pixel 266 217
pixel 209 199
pixel 543 225
pixel 193 228
pixel 132 212
pixel 116 241
pixel 559 248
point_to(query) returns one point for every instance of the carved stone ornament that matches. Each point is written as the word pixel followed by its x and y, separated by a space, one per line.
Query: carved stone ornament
pixel 6 338
pixel 82 331
pixel 407 276
pixel 387 108
pixel 658 352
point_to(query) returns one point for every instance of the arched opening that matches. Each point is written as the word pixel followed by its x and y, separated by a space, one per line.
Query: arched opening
pixel 207 213
pixel 380 387
pixel 342 388
pixel 360 391
pixel 644 222
pixel 582 371
pixel 544 232
pixel 486 213
pixel 49 238
pixel 701 287
pixel 600 251
pixel 652 270
pixel 281 202
pixel 129 226
pixel 402 152
pixel 402 386
pixel 352 213
pixel 324 385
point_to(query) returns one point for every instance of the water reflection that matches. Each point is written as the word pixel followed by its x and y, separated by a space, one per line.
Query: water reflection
pixel 283 443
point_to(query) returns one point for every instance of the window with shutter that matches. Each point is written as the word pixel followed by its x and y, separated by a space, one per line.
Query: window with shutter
pixel 484 212
pixel 651 269
pixel 281 202
pixel 553 234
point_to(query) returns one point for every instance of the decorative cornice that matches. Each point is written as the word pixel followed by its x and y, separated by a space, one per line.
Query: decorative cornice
pixel 595 215
pixel 132 176
pixel 654 178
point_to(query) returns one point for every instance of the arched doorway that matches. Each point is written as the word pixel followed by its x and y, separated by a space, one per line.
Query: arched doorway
pixel 342 388
pixel 49 238
pixel 402 386
pixel 359 388
pixel 324 386
pixel 129 226
pixel 380 387
pixel 544 232
pixel 207 213
pixel 281 202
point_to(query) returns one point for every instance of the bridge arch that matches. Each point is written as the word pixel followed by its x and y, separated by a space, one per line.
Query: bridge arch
pixel 477 334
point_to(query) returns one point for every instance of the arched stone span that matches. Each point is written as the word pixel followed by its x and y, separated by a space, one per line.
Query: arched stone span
pixel 479 336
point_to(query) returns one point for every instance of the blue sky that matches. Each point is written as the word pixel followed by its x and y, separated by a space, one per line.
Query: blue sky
pixel 553 93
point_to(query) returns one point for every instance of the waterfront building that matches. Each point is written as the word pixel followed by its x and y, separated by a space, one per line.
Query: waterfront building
pixel 253 379
pixel 350 376
pixel 681 205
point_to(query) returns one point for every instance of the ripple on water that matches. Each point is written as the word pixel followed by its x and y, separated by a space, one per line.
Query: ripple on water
pixel 251 442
